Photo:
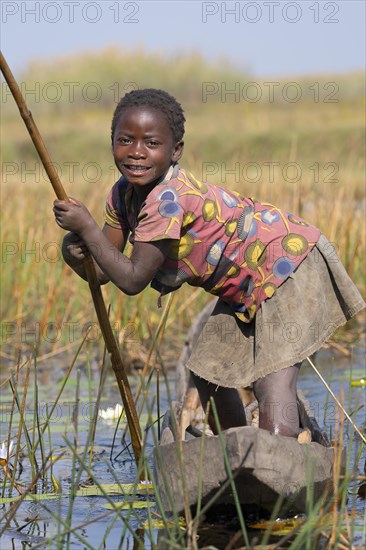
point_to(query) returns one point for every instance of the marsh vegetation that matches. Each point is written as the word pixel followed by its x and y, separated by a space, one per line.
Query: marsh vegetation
pixel 297 143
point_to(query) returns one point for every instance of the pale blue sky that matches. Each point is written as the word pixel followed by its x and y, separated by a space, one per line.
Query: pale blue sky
pixel 269 38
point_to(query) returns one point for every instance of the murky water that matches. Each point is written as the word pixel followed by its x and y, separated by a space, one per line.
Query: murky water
pixel 34 523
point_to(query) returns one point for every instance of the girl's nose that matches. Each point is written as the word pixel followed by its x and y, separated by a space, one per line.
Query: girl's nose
pixel 137 150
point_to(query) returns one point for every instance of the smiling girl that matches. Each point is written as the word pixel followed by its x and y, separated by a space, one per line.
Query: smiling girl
pixel 282 289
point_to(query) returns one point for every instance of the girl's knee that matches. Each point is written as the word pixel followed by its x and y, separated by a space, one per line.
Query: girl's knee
pixel 282 382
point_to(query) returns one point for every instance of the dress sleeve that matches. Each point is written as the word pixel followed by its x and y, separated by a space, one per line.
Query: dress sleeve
pixel 161 216
pixel 113 212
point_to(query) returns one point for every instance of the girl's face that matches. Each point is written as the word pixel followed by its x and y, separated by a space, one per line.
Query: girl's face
pixel 143 145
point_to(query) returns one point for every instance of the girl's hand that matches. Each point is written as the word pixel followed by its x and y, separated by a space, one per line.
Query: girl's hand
pixel 74 249
pixel 73 215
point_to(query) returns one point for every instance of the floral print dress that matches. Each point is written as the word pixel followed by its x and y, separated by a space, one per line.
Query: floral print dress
pixel 236 248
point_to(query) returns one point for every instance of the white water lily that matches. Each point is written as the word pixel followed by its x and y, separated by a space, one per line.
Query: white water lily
pixel 110 413
pixel 6 451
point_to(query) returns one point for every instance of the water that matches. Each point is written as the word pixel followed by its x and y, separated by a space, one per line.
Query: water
pixel 34 522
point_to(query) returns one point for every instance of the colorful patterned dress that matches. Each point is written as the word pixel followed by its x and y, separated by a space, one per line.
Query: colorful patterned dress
pixel 236 248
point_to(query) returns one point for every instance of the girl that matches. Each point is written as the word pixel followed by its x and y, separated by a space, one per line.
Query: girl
pixel 282 289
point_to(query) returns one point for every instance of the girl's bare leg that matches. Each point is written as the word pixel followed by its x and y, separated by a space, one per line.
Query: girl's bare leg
pixel 276 396
pixel 229 406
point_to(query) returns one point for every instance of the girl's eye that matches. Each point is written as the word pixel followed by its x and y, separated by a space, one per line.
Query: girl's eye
pixel 124 140
pixel 152 143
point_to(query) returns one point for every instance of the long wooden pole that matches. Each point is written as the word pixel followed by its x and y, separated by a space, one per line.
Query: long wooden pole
pixel 100 308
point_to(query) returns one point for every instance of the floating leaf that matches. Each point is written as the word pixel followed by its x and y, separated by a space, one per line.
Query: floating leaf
pixel 361 383
pixel 159 523
pixel 92 491
pixel 115 489
pixel 42 496
pixel 279 527
pixel 128 504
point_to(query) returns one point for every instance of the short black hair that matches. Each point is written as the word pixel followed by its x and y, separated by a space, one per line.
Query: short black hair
pixel 156 99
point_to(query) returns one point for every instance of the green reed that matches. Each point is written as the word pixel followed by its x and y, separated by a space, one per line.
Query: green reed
pixel 326 522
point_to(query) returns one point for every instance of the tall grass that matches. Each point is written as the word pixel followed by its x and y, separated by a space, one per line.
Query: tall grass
pixel 305 156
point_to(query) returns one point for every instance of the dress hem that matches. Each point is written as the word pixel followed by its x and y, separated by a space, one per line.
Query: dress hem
pixel 279 366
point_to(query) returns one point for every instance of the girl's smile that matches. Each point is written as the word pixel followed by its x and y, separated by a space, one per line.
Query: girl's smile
pixel 143 145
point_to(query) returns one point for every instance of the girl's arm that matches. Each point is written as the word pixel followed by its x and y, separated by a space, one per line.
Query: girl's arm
pixel 131 275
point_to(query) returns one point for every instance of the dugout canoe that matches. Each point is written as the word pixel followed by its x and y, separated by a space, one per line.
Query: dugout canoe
pixel 266 468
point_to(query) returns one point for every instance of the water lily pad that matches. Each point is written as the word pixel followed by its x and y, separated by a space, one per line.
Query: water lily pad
pixel 91 491
pixel 360 383
pixel 115 489
pixel 279 527
pixel 41 496
pixel 128 504
pixel 159 523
